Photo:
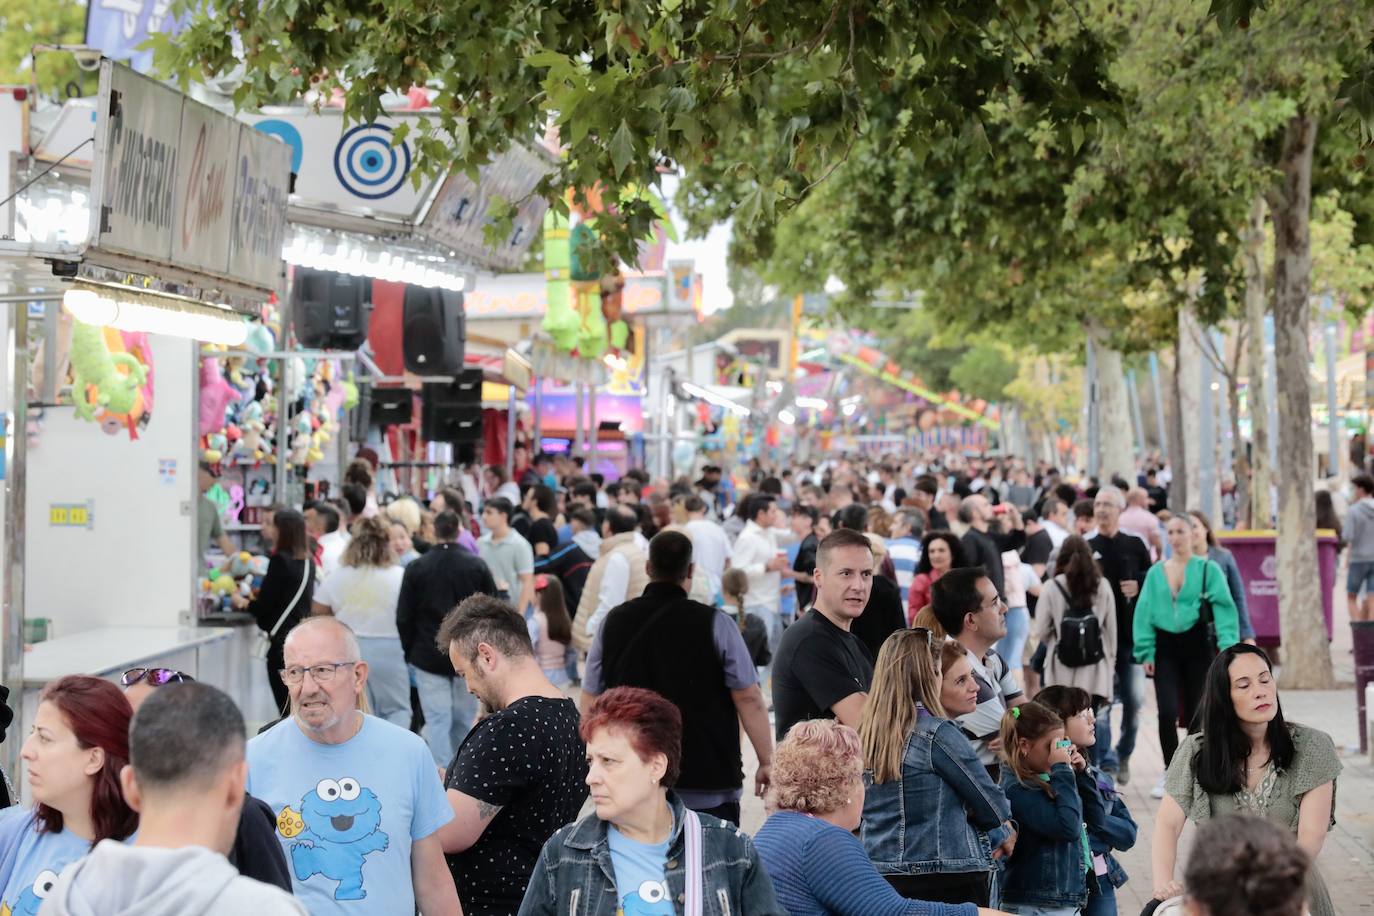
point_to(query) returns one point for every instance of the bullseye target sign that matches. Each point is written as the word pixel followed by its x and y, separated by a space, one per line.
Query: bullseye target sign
pixel 349 169
pixel 368 164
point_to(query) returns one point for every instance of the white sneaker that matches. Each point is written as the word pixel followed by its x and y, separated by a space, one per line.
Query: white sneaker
pixel 1158 790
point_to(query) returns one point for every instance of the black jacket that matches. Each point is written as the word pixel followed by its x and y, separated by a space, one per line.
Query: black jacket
pixel 883 615
pixel 257 852
pixel 663 641
pixel 984 548
pixel 435 584
pixel 279 586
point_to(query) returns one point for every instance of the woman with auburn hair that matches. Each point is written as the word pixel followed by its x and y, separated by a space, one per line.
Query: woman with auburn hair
pixel 930 806
pixel 807 844
pixel 659 851
pixel 363 592
pixel 78 745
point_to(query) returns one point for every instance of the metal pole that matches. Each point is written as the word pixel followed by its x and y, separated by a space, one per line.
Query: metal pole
pixel 1137 421
pixel 1226 452
pixel 592 424
pixel 1159 408
pixel 1207 447
pixel 1090 374
pixel 1270 395
pixel 284 401
pixel 16 452
pixel 1333 432
pixel 577 448
pixel 510 432
pixel 538 413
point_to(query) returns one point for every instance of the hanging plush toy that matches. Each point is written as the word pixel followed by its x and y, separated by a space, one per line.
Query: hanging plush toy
pixel 560 318
pixel 586 284
pixel 215 395
pixel 98 384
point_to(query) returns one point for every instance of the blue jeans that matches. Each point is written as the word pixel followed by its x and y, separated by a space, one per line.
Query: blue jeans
pixel 1013 645
pixel 388 679
pixel 449 710
pixel 1103 903
pixel 570 666
pixel 1130 689
pixel 1026 909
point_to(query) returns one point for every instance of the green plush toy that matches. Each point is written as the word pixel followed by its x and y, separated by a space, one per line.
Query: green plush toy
pixel 97 383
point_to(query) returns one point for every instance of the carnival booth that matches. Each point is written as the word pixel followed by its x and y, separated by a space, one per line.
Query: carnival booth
pixel 144 226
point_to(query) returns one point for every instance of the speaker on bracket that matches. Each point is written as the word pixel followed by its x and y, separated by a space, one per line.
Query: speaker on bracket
pixel 433 331
pixel 330 310
pixel 452 411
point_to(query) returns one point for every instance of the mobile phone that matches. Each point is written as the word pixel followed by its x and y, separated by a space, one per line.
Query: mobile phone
pixel 1064 743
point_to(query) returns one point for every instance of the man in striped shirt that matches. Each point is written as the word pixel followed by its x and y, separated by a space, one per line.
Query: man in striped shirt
pixel 904 547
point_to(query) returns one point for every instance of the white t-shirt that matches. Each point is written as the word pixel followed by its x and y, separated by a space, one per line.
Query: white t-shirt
pixel 364 597
pixel 332 546
pixel 710 549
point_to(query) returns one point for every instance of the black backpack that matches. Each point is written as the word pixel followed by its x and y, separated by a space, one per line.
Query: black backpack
pixel 1080 635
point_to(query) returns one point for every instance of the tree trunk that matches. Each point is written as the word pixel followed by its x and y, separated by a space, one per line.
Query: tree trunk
pixel 1189 377
pixel 1116 456
pixel 1306 652
pixel 1240 464
pixel 1178 460
pixel 1261 476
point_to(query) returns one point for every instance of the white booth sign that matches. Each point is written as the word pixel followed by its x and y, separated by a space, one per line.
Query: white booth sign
pixel 182 184
pixel 458 217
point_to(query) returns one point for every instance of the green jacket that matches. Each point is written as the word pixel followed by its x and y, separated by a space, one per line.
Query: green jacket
pixel 1157 609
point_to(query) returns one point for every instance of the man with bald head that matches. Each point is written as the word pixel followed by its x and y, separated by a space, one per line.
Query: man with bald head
pixel 358 800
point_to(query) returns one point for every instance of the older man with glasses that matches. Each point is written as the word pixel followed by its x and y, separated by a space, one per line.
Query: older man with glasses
pixel 1124 559
pixel 358 800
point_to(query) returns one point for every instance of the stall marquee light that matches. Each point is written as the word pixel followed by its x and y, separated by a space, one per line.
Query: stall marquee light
pixel 849 409
pixel 174 319
pixel 697 391
pixel 787 416
pixel 354 260
pixel 812 403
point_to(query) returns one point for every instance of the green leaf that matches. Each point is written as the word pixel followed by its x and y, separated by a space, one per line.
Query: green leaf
pixel 622 148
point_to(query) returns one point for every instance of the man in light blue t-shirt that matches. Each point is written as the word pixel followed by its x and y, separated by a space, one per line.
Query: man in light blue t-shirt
pixel 358 800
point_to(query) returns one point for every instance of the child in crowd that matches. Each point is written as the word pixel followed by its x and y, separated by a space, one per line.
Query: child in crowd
pixel 552 629
pixel 1047 874
pixel 1110 825
pixel 1241 865
pixel 734 584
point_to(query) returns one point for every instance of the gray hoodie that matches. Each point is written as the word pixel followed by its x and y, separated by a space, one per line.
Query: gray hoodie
pixel 119 880
pixel 1359 531
pixel 589 541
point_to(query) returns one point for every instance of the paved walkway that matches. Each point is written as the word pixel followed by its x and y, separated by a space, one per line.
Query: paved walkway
pixel 1347 859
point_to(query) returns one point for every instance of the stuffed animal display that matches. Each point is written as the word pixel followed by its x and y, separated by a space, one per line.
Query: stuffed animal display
pixel 110 383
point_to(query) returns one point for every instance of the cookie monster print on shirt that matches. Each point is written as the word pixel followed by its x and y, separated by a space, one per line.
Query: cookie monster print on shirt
pixel 640 883
pixel 37 863
pixel 348 814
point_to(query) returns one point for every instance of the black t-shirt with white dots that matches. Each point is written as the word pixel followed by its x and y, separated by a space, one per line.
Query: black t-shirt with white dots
pixel 529 759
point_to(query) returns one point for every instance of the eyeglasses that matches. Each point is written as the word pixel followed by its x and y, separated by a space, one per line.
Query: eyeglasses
pixel 321 674
pixel 1086 715
pixel 155 677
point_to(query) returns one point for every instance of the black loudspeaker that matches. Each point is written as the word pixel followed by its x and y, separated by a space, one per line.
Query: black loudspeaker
pixel 433 331
pixel 330 310
pixel 452 412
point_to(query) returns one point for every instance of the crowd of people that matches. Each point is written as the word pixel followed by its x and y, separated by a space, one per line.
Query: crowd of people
pixel 529 696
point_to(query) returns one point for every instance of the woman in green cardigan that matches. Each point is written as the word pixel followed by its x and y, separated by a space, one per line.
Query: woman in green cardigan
pixel 1171 636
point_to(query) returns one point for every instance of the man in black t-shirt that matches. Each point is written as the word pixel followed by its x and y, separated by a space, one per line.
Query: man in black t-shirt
pixel 821 670
pixel 540 504
pixel 521 773
pixel 1124 559
pixel 804 526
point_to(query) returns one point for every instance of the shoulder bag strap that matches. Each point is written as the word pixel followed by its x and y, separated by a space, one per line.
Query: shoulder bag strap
pixel 1205 603
pixel 695 890
pixel 292 606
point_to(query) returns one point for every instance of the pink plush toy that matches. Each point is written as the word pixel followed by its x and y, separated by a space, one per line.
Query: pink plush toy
pixel 215 396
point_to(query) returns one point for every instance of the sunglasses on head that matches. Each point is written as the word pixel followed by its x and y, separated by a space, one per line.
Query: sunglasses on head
pixel 155 677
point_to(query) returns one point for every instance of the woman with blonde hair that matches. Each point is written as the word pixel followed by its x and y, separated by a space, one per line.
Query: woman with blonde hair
pixel 363 592
pixel 807 845
pixel 933 820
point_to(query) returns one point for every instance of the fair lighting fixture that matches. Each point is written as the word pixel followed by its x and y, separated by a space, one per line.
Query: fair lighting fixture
pixel 357 258
pixel 787 416
pixel 133 310
pixel 710 397
pixel 812 403
pixel 849 409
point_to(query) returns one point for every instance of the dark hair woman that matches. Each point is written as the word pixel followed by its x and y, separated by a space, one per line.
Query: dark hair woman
pixel 286 592
pixel 78 745
pixel 1205 545
pixel 1077 586
pixel 941 551
pixel 1248 760
pixel 658 850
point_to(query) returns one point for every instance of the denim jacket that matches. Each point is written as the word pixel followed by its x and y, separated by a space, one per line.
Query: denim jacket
pixel 935 817
pixel 1047 868
pixel 1110 825
pixel 574 875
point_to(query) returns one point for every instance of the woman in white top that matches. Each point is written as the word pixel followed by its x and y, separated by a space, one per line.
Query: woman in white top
pixel 362 593
pixel 1079 586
